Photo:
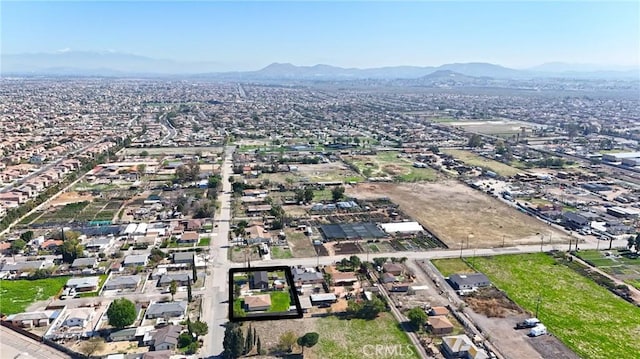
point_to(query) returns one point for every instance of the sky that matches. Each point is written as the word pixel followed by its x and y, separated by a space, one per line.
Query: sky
pixel 243 35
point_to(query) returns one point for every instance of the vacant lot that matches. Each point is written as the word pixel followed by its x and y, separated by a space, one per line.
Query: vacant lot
pixel 328 172
pixel 451 266
pixel 458 214
pixel 16 295
pixel 300 244
pixel 493 127
pixel 623 265
pixel 390 165
pixel 585 316
pixel 474 160
pixel 70 197
pixel 349 338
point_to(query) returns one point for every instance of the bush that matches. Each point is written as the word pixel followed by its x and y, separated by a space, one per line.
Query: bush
pixel 184 340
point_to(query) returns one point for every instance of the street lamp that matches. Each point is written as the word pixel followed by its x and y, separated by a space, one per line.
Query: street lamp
pixel 470 235
pixel 541 241
pixel 461 243
pixel 503 241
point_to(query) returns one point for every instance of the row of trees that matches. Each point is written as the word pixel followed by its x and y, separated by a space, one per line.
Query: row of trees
pixel 236 343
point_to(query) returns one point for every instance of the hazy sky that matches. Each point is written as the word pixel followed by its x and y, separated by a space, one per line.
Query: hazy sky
pixel 249 35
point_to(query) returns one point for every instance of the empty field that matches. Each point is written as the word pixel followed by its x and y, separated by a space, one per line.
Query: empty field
pixel 16 295
pixel 388 164
pixel 493 127
pixel 585 316
pixel 458 214
pixel 474 160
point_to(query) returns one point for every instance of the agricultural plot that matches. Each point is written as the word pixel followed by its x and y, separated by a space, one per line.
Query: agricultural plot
pixel 389 165
pixel 16 295
pixel 65 214
pixel 455 213
pixel 315 173
pixel 623 264
pixel 475 160
pixel 588 318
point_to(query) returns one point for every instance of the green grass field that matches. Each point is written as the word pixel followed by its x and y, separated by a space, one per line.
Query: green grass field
pixel 472 159
pixel 16 295
pixel 280 301
pixel 389 164
pixel 279 253
pixel 589 319
pixel 204 241
pixel 451 266
pixel 353 339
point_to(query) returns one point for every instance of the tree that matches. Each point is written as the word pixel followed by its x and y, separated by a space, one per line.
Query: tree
pixel 142 169
pixel 71 249
pixel 638 243
pixel 194 270
pixel 259 346
pixel 17 246
pixel 355 261
pixel 189 294
pixel 631 241
pixel 337 193
pixel 248 344
pixel 308 340
pixel 367 310
pixel 308 194
pixel 91 346
pixel 184 339
pixel 26 236
pixel 173 288
pixel 287 340
pixel 475 141
pixel 417 316
pixel 144 153
pixel 199 328
pixel 233 341
pixel 121 313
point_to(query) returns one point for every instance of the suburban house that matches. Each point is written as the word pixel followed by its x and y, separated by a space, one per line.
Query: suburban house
pixel 165 338
pixel 27 266
pixel 33 319
pixel 135 260
pixel 83 284
pixel 325 298
pixel 344 278
pixel 175 309
pixel 81 263
pixel 79 317
pixel 257 302
pixel 123 335
pixel 259 280
pixel 396 269
pixel 305 276
pixel 439 311
pixel 163 354
pixel 460 346
pixel 388 278
pixel 439 325
pixel 122 282
pixel 183 257
pixel 181 278
pixel 189 237
pixel 256 234
pixel 469 281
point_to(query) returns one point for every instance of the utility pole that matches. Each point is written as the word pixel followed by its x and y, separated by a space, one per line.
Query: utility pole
pixel 541 241
pixel 503 241
pixel 538 305
pixel 461 243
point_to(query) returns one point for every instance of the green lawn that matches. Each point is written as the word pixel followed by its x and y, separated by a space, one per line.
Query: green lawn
pixel 323 195
pixel 280 301
pixel 355 338
pixel 585 316
pixel 472 159
pixel 451 266
pixel 279 253
pixel 204 241
pixel 16 295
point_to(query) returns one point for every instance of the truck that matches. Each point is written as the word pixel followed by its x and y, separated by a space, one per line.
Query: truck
pixel 528 323
pixel 538 330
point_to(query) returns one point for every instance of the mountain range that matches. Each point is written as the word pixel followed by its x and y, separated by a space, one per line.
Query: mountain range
pixel 81 63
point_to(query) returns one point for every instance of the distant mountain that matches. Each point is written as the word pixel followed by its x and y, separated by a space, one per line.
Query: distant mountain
pixel 95 63
pixel 120 64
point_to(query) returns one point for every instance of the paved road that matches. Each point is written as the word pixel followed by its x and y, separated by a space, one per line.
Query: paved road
pixel 14 345
pixel 214 303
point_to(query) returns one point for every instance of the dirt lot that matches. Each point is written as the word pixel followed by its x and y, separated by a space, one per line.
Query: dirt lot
pixel 301 245
pixel 325 172
pixel 70 197
pixel 454 213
